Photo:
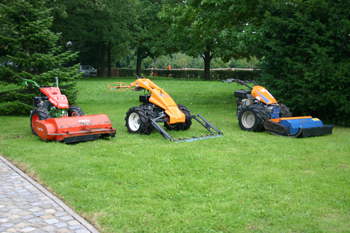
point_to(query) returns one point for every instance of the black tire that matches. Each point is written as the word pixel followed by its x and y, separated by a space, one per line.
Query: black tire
pixel 150 115
pixel 252 118
pixel 285 111
pixel 38 114
pixel 137 121
pixel 75 111
pixel 172 126
pixel 181 126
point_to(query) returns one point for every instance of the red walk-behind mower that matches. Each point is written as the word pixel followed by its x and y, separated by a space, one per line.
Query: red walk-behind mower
pixel 257 110
pixel 158 107
pixel 53 119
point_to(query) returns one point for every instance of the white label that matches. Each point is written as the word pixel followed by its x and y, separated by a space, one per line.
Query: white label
pixel 83 121
pixel 53 102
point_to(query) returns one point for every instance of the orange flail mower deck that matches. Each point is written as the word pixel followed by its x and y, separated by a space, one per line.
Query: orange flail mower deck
pixel 74 129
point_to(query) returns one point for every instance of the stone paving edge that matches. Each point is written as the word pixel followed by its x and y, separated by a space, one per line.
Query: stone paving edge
pixel 50 195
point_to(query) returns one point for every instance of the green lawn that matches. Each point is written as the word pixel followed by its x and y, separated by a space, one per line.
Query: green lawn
pixel 241 182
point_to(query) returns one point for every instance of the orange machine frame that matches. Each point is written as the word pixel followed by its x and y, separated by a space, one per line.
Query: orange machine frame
pixel 263 95
pixel 158 97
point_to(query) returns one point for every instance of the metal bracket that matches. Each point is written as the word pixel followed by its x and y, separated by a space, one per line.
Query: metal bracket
pixel 204 122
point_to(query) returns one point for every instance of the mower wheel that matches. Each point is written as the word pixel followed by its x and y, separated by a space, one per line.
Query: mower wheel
pixel 181 126
pixel 150 115
pixel 171 126
pixel 38 114
pixel 252 118
pixel 137 121
pixel 75 111
pixel 188 122
pixel 285 111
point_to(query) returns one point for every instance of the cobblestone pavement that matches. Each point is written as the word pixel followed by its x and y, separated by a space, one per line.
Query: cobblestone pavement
pixel 26 206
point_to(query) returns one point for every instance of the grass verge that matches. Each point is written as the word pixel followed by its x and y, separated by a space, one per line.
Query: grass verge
pixel 240 182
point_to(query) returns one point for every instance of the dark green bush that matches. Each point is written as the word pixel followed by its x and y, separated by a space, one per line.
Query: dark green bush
pixel 307 57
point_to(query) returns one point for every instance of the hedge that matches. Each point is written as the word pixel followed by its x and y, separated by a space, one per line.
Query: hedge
pixel 193 74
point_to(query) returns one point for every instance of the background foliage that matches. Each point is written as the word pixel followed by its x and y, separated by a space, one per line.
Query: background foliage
pixel 195 74
pixel 306 50
pixel 304 45
pixel 29 50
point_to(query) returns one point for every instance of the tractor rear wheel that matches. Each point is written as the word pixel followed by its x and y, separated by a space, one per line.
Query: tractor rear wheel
pixel 75 111
pixel 181 126
pixel 252 118
pixel 285 111
pixel 38 114
pixel 137 121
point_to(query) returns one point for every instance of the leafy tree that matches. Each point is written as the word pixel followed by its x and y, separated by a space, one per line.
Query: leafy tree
pixel 100 30
pixel 150 34
pixel 306 50
pixel 30 48
pixel 200 28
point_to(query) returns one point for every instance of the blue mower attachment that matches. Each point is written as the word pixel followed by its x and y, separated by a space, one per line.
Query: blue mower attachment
pixel 297 127
pixel 257 110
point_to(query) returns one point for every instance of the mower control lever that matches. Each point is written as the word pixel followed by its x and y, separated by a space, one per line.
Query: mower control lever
pixel 25 82
pixel 56 83
pixel 243 83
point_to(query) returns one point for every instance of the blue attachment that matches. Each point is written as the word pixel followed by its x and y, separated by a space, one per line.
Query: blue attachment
pixel 293 125
pixel 275 113
pixel 198 138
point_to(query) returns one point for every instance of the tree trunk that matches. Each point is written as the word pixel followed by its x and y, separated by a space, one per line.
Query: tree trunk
pixel 109 60
pixel 98 59
pixel 103 49
pixel 138 65
pixel 207 58
pixel 140 56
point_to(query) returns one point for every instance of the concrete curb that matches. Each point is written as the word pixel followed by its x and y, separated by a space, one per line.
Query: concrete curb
pixel 51 196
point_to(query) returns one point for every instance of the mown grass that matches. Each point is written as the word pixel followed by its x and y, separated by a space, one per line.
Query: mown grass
pixel 241 182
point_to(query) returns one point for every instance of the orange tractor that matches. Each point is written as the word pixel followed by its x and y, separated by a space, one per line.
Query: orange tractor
pixel 158 107
pixel 257 110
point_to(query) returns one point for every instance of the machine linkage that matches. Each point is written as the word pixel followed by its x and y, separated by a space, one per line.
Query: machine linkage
pixel 204 122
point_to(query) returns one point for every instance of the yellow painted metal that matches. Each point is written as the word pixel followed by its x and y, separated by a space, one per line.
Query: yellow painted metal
pixel 120 86
pixel 158 97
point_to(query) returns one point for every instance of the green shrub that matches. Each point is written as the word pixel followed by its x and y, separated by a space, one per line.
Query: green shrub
pixel 307 57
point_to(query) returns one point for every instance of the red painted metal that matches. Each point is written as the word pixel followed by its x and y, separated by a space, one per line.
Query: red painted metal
pixel 55 97
pixel 74 128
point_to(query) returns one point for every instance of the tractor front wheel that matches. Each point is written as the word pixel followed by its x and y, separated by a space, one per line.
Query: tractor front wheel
pixel 252 118
pixel 137 121
pixel 75 111
pixel 188 122
pixel 38 114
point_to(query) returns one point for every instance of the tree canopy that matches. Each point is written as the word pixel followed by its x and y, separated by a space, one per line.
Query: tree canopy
pixel 303 44
pixel 29 50
pixel 198 28
pixel 100 30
